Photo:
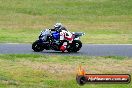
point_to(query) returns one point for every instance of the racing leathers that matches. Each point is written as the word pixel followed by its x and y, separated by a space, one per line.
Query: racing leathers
pixel 67 37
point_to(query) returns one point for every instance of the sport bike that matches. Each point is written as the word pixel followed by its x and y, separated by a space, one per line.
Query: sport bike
pixel 49 40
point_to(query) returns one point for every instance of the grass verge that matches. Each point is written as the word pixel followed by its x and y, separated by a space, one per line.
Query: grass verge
pixel 31 71
pixel 103 21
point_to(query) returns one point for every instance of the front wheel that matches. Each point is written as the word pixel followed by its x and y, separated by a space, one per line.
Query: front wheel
pixel 37 46
pixel 75 46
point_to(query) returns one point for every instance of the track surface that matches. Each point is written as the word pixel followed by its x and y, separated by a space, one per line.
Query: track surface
pixel 87 49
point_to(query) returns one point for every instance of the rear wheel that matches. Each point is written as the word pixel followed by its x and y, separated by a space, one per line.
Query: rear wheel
pixel 37 47
pixel 75 46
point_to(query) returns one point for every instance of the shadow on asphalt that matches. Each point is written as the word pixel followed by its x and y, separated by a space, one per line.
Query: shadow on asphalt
pixel 57 53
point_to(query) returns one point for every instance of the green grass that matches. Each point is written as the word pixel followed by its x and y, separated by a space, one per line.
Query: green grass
pixel 103 21
pixel 40 71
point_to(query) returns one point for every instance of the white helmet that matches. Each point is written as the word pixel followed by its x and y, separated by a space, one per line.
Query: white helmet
pixel 57 25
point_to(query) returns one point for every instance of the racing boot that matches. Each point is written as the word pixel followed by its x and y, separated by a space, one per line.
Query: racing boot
pixel 63 47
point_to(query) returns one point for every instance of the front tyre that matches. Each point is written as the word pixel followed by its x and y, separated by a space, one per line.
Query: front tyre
pixel 75 46
pixel 37 46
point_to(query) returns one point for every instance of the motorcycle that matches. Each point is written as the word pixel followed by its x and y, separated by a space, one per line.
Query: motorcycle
pixel 49 40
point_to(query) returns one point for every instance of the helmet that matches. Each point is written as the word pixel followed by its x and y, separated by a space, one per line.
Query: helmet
pixel 57 27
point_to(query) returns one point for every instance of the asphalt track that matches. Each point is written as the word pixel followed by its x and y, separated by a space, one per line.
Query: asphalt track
pixel 87 49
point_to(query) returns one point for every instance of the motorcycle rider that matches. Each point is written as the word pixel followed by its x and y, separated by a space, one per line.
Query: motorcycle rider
pixel 65 36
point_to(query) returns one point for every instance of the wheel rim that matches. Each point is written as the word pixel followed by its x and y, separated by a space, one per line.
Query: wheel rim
pixel 77 45
pixel 37 46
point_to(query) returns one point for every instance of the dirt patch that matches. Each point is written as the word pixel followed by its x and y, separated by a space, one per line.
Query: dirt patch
pixel 93 66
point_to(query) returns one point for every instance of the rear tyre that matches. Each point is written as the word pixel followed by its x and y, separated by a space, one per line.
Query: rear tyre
pixel 75 46
pixel 37 47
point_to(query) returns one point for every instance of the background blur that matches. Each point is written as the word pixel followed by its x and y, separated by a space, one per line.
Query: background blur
pixel 103 21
